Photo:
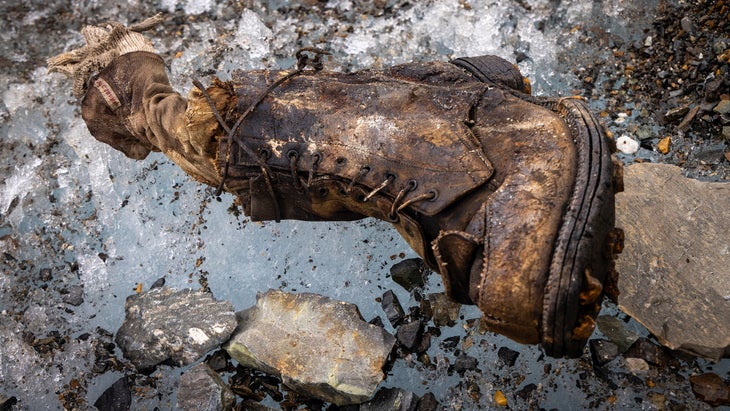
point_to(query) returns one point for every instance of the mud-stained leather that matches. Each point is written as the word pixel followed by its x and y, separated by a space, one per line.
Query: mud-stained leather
pixel 341 123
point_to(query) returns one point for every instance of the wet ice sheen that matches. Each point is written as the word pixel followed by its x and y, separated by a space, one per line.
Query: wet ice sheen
pixel 120 222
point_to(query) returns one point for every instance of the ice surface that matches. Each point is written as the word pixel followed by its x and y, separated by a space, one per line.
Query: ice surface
pixel 75 211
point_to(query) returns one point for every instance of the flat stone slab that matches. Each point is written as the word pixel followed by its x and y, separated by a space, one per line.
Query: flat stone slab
pixel 182 326
pixel 202 389
pixel 674 272
pixel 317 345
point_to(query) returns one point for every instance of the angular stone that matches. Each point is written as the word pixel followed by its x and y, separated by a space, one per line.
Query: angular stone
pixel 202 389
pixel 673 272
pixel 465 363
pixel 391 399
pixel 711 389
pixel 649 352
pixel 508 356
pixel 408 335
pixel 75 295
pixel 317 345
pixel 182 326
pixel 392 308
pixel 445 312
pixel 602 351
pixel 118 397
pixel 409 273
pixel 427 402
pixel 614 329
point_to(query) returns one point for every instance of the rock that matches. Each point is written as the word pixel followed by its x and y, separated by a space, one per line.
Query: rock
pixel 218 361
pixel 6 403
pixel 202 389
pixel 391 399
pixel 627 145
pixel 392 308
pixel 508 356
pixel 602 351
pixel 636 366
pixel 427 402
pixel 649 352
pixel 317 345
pixel 614 329
pixel 409 273
pixel 663 145
pixel 182 326
pixel 723 107
pixel 500 399
pixel 408 335
pixel 445 312
pixel 676 113
pixel 465 363
pixel 118 397
pixel 75 295
pixel 711 389
pixel 674 267
pixel 726 132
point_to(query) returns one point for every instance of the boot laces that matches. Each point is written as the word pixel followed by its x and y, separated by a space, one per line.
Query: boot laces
pixel 303 60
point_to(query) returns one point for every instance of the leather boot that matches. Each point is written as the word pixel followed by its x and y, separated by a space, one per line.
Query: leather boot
pixel 510 197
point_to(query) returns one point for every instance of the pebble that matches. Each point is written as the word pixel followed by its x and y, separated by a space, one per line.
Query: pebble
pixel 75 295
pixel 711 389
pixel 427 402
pixel 500 399
pixel 627 145
pixel 664 144
pixel 726 132
pixel 445 312
pixel 636 366
pixel 118 397
pixel 508 356
pixel 648 351
pixel 723 107
pixel 408 335
pixel 602 351
pixel 465 363
pixel 409 273
pixel 392 308
pixel 391 399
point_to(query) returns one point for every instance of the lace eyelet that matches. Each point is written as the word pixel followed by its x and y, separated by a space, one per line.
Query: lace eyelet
pixel 292 154
pixel 434 194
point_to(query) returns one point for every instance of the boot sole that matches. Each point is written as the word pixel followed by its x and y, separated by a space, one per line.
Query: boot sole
pixel 583 257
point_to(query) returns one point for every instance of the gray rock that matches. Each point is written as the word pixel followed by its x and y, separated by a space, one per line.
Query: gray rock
pixel 318 346
pixel 602 352
pixel 614 329
pixel 391 399
pixel 392 308
pixel 202 389
pixel 118 397
pixel 723 107
pixel 182 326
pixel 409 273
pixel 674 275
pixel 75 295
